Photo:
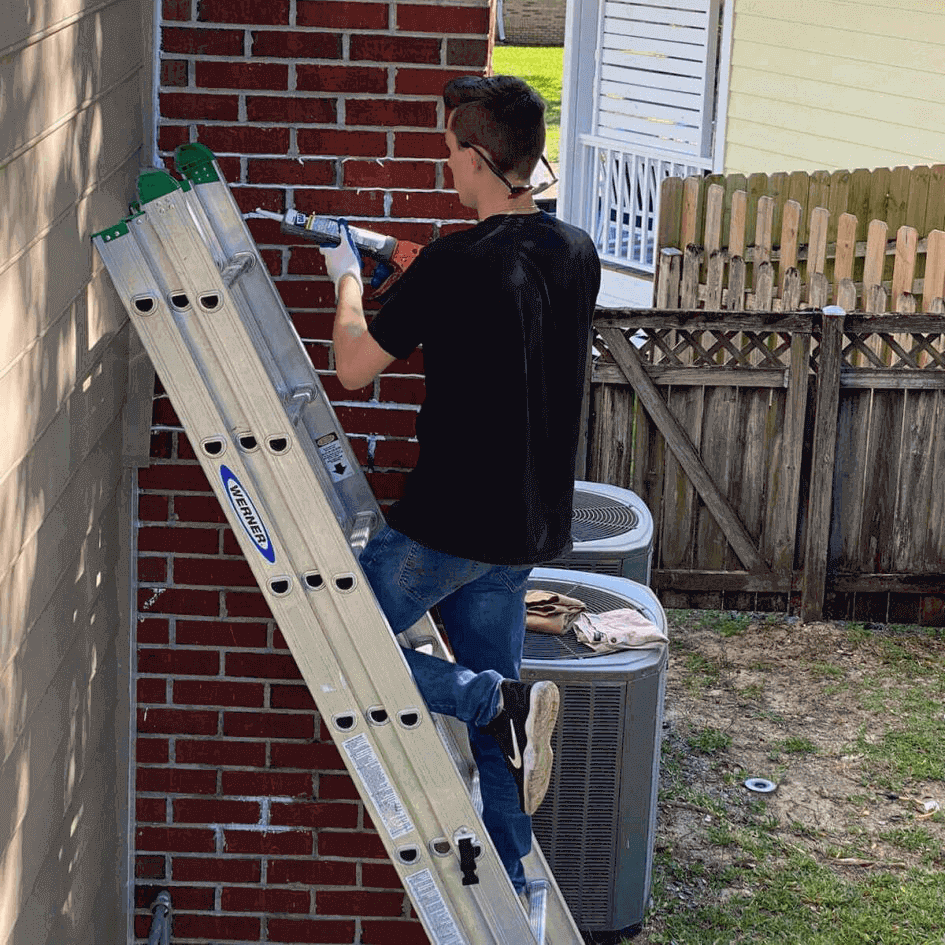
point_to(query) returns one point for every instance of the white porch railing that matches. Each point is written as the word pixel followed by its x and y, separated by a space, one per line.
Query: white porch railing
pixel 619 186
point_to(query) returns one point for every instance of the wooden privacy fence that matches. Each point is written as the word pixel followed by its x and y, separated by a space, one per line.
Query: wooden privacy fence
pixel 791 456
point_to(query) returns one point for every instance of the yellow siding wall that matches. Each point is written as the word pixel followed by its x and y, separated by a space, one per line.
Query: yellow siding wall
pixel 70 144
pixel 836 84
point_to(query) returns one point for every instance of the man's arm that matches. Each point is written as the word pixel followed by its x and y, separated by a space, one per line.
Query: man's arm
pixel 358 357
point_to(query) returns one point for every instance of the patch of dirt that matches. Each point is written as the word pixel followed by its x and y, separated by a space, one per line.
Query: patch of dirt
pixel 788 703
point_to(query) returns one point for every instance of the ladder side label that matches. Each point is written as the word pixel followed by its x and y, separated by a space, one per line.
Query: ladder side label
pixel 433 910
pixel 333 456
pixel 245 510
pixel 378 786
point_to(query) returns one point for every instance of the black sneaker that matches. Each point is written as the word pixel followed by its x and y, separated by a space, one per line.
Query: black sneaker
pixel 523 729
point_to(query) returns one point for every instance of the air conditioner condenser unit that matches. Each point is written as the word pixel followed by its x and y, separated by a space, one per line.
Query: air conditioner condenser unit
pixel 612 531
pixel 597 823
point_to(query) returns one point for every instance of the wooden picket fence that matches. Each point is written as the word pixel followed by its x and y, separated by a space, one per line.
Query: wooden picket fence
pixel 792 454
pixel 800 239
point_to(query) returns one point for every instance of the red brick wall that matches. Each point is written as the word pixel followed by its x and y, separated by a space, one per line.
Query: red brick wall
pixel 244 810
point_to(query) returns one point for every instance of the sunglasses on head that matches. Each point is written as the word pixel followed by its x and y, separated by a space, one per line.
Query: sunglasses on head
pixel 515 190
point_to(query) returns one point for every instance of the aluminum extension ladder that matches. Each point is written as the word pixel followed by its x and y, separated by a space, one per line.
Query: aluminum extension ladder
pixel 211 319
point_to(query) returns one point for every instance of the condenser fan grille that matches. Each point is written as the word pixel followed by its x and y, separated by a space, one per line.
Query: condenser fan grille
pixel 597 517
pixel 597 823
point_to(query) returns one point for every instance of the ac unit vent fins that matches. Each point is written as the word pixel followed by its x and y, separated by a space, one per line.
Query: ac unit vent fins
pixel 597 517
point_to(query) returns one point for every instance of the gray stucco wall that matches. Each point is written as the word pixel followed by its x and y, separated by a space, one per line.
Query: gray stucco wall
pixel 71 82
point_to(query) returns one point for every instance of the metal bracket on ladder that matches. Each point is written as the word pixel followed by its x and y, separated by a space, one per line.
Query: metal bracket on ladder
pixel 240 380
pixel 538 908
pixel 240 264
pixel 361 533
pixel 297 401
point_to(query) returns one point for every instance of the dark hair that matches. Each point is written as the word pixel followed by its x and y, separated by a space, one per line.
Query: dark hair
pixel 501 114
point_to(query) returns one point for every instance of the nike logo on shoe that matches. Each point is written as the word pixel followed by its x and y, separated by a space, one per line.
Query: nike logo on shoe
pixel 530 709
pixel 515 759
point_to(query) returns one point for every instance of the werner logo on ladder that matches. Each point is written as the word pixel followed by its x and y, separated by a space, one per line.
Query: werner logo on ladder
pixel 248 516
pixel 220 338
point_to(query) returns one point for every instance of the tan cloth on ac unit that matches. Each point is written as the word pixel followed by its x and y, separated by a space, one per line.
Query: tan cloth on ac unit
pixel 618 630
pixel 547 612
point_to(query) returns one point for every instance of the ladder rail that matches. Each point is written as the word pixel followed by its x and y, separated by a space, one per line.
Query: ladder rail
pixel 225 217
pixel 230 344
pixel 169 289
pixel 227 342
pixel 240 361
pixel 429 628
pixel 232 234
pixel 213 336
pixel 434 776
pixel 277 335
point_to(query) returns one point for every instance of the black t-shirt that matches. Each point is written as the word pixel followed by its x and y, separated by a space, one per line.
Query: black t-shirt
pixel 503 312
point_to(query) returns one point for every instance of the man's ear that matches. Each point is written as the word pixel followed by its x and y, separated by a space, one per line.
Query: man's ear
pixel 475 162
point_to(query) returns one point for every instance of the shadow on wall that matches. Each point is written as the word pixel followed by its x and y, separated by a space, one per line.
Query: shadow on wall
pixel 69 124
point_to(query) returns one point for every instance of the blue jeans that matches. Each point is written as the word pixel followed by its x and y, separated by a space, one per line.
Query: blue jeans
pixel 482 607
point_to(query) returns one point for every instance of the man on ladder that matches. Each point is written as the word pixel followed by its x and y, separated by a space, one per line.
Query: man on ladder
pixel 503 312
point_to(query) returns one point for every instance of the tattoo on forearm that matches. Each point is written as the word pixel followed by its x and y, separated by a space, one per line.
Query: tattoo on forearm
pixel 355 330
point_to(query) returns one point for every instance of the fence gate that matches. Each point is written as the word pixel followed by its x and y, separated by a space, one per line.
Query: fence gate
pixel 791 456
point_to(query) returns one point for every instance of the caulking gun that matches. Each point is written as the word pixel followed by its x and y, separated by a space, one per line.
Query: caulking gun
pixel 393 256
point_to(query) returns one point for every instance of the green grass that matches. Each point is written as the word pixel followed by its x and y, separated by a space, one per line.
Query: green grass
pixel 802 902
pixel 912 748
pixel 703 672
pixel 709 740
pixel 541 67
pixel 725 624
pixel 826 670
pixel 916 840
pixel 795 745
pixel 764 887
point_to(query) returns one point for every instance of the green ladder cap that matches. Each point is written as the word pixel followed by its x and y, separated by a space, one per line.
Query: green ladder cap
pixel 195 161
pixel 112 232
pixel 154 184
pixel 120 228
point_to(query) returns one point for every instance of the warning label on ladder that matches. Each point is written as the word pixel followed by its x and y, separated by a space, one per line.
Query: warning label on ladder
pixel 378 786
pixel 333 456
pixel 433 909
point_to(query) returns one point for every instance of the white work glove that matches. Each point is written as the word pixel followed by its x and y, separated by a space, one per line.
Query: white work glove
pixel 343 259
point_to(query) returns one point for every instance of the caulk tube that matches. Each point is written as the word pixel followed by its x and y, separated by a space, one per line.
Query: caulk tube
pixel 325 231
pixel 374 244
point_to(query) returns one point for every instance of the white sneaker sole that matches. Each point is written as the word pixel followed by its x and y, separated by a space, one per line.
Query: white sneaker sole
pixel 538 757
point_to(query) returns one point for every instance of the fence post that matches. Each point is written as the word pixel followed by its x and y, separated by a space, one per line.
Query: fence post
pixel 819 504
